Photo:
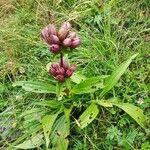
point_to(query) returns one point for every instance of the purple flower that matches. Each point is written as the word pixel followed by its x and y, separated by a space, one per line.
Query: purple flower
pixel 72 35
pixel 69 72
pixel 60 78
pixel 75 42
pixel 55 48
pixel 64 30
pixel 54 39
pixel 51 29
pixel 52 71
pixel 67 42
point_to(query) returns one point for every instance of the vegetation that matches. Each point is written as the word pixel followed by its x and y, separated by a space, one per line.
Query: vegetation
pixel 113 71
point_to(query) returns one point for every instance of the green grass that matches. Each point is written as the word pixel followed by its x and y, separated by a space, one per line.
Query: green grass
pixel 111 32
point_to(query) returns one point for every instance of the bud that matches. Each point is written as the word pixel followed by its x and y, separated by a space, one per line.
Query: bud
pixel 75 42
pixel 62 71
pixel 54 48
pixel 72 67
pixel 67 42
pixel 69 72
pixel 55 66
pixel 62 34
pixel 52 71
pixel 54 39
pixel 45 36
pixel 51 29
pixel 66 25
pixel 64 30
pixel 72 35
pixel 60 77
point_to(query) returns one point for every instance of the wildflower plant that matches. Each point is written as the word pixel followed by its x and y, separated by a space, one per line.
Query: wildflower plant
pixel 53 129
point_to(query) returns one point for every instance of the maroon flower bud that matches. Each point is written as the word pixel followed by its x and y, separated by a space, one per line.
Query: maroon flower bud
pixel 67 42
pixel 69 72
pixel 72 35
pixel 62 71
pixel 64 30
pixel 51 29
pixel 55 66
pixel 75 42
pixel 55 48
pixel 72 67
pixel 62 34
pixel 66 25
pixel 60 77
pixel 52 71
pixel 54 39
pixel 45 36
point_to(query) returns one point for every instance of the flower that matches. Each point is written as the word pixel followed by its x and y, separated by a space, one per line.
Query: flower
pixel 63 38
pixel 55 48
pixel 75 42
pixel 61 71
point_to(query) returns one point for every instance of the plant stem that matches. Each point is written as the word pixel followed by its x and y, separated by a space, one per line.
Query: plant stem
pixel 61 59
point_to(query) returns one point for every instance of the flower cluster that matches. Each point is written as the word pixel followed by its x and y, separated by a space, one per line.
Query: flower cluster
pixel 63 38
pixel 62 70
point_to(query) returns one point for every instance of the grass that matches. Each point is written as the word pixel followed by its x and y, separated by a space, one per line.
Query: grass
pixel 111 31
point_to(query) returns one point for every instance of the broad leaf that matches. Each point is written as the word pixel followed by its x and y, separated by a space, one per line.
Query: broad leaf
pixel 61 131
pixel 88 116
pixel 135 112
pixel 30 112
pixel 62 144
pixel 49 103
pixel 47 123
pixel 77 77
pixel 115 76
pixel 105 103
pixel 37 87
pixel 34 142
pixel 89 85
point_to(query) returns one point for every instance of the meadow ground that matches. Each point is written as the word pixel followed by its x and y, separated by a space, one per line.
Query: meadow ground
pixel 111 31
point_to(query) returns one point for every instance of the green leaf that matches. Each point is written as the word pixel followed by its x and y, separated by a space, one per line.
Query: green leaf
pixel 48 66
pixel 61 131
pixel 115 76
pixel 47 123
pixel 34 142
pixel 36 86
pixel 77 77
pixel 30 112
pixel 62 144
pixel 88 116
pixel 104 103
pixel 89 85
pixel 135 112
pixel 49 103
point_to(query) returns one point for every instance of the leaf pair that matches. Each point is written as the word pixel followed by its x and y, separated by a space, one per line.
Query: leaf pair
pixel 92 111
pixel 93 84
